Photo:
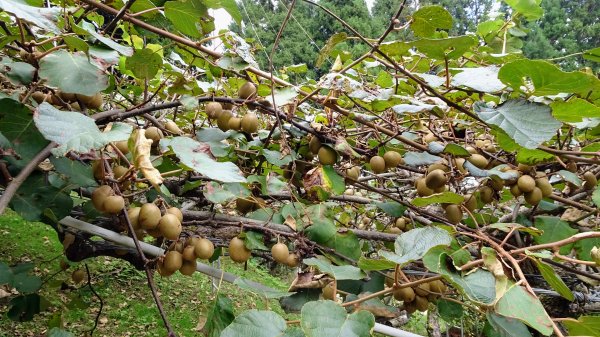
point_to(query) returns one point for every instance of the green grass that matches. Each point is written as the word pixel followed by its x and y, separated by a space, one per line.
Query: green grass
pixel 129 309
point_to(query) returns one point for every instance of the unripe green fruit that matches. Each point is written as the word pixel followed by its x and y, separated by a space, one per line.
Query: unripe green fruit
pixel 223 120
pixel 134 215
pixel 544 185
pixel 213 109
pixel 436 179
pixel 534 197
pixel 78 275
pixel 122 146
pixel 470 202
pixel 515 191
pixel 486 194
pixel 292 260
pixel 99 196
pixel 153 133
pixel 173 128
pixel 328 292
pixel 189 253
pixel 454 213
pixel 478 160
pixel 314 144
pixel 91 102
pixel 327 155
pixel 377 164
pixel 176 212
pixel 188 268
pixel 421 303
pixel 247 90
pixel 250 123
pixel 119 171
pixel 172 261
pixel 422 289
pixel 422 189
pixel 406 294
pixel 235 123
pixel 392 159
pixel 526 183
pixel 590 180
pixel 353 173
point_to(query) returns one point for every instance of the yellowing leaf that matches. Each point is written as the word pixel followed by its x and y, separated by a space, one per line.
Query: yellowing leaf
pixel 494 265
pixel 141 157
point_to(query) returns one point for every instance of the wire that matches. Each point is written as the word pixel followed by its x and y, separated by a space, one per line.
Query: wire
pixel 264 50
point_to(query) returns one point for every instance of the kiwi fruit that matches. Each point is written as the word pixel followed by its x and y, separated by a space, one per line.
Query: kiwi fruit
pixel 177 246
pixel 173 128
pixel 478 160
pixel 590 180
pixel 162 271
pixel 292 260
pixel 189 253
pixel 223 120
pixel 526 183
pixel 91 102
pixel 250 123
pixel 392 159
pixel 38 97
pixel 429 137
pixel 437 286
pixel 470 202
pixel 422 188
pixel 523 167
pixel 421 303
pixel 169 226
pixel 172 261
pixel 134 215
pixel 394 230
pixel 422 289
pixel 244 205
pixel 119 171
pixel 235 123
pixel 534 197
pixel 544 185
pixel 496 183
pixel 153 133
pixel 328 292
pixel 438 166
pixel 176 212
pixel 204 249
pixel 67 97
pixel 410 307
pixel 377 164
pixel 99 196
pixel 238 251
pixel 516 191
pixel 406 294
pixel 436 179
pixel 314 144
pixel 113 204
pixel 247 90
pixel 78 275
pixel 213 109
pixel 280 252
pixel 572 166
pixel 400 223
pixel 460 165
pixel 327 155
pixel 353 173
pixel 454 214
pixel 486 194
pixel 149 216
pixel 122 146
pixel 187 268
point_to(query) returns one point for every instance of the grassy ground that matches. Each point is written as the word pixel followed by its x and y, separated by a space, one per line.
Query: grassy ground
pixel 128 309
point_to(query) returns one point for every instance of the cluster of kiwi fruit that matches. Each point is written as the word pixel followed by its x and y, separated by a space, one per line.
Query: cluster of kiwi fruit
pixel 222 114
pixel 390 159
pixel 282 255
pixel 400 225
pixel 417 297
pixel 182 256
pixel 73 101
pixel 327 155
pixel 149 218
pixel 105 200
pixel 248 204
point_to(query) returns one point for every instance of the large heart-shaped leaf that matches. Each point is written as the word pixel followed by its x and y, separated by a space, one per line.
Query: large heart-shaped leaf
pixel 484 79
pixel 414 244
pixel 428 19
pixel 338 272
pixel 529 124
pixel 327 318
pixel 72 73
pixel 520 304
pixel 185 15
pixel 194 155
pixel 73 131
pixel 44 18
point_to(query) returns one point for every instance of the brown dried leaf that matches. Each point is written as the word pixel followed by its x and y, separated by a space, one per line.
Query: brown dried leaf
pixel 141 157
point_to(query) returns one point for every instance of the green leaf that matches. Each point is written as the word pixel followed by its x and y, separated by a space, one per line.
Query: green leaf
pixel 500 326
pixel 533 157
pixel 520 304
pixel 110 43
pixel 186 15
pixel 219 316
pixel 592 54
pixel 229 5
pixel 276 157
pixel 391 208
pixel 321 232
pixel 18 127
pixel 546 78
pixel 256 323
pixel 427 20
pixel 263 292
pixel 19 73
pixel 529 124
pixel 346 244
pixel 596 196
pixel 145 63
pixel 414 244
pixel 72 73
pixel 449 48
pixel 254 241
pixel 74 131
pixel 6 274
pixel 554 230
pixel 76 172
pixel 372 264
pixel 58 332
pixel 384 79
pixel 333 181
pixel 554 280
pixel 26 283
pixel 193 155
pixel 35 196
pixel 420 158
pixel 456 150
pixel 328 47
pixel 327 318
pixel 484 79
pixel 570 177
pixel 439 198
pixel 294 303
pixel 76 44
pixel 449 311
pixel 583 326
pixel 44 18
pixel 222 192
pixel 24 307
pixel 574 110
pixel 530 9
pixel 584 248
pixel 337 272
pixel 283 96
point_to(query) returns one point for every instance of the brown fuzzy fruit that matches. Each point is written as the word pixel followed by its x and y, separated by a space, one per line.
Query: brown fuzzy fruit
pixel 213 109
pixel 470 202
pixel 526 183
pixel 421 303
pixel 292 260
pixel 177 246
pixel 422 189
pixel 134 217
pixel 247 90
pixel 437 286
pixel 328 292
pixel 153 133
pixel 572 166
pixel 438 166
pixel 436 179
pixel 149 216
pixel 113 204
pixel 544 185
pixel 172 261
pixel 91 102
pixel 314 144
pixel 235 123
pixel 327 155
pixel 250 123
pixel 486 194
pixel 353 173
pixel 244 205
pixel 280 252
pixel 515 191
pixel 169 226
pixel 478 160
pixel 119 171
pixel 377 164
pixel 406 294
pixel 176 212
pixel 400 223
pixel 590 180
pixel 38 96
pixel 187 268
pixel 422 289
pixel 173 128
pixel 204 249
pixel 223 120
pixel 410 307
pixel 160 267
pixel 454 214
pixel 78 275
pixel 122 146
pixel 99 196
pixel 392 159
pixel 534 197
pixel 238 251
pixel 189 253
